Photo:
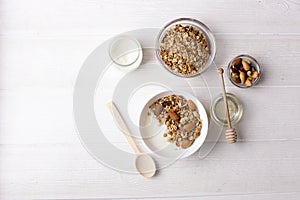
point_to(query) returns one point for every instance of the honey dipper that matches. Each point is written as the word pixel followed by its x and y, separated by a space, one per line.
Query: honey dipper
pixel 231 135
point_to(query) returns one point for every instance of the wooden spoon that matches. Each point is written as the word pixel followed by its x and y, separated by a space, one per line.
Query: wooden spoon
pixel 231 135
pixel 143 162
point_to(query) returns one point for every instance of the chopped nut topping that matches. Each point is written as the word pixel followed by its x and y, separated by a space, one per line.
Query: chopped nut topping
pixel 181 119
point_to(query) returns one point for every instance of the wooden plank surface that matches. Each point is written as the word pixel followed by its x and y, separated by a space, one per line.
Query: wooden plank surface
pixel 42 47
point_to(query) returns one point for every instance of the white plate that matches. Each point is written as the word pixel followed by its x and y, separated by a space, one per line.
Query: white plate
pixel 152 132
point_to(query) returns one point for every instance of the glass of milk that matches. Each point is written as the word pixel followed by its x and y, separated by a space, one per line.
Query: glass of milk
pixel 125 51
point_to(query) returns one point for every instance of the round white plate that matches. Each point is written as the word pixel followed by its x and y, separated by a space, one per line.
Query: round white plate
pixel 100 81
pixel 152 132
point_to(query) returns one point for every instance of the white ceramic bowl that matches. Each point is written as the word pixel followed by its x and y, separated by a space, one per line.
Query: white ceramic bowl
pixel 152 132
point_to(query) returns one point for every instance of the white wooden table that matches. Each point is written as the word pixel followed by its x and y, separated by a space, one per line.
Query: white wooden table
pixel 42 47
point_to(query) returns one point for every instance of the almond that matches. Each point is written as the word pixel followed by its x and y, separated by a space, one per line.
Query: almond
pixel 189 127
pixel 186 143
pixel 191 105
pixel 173 115
pixel 158 109
pixel 248 82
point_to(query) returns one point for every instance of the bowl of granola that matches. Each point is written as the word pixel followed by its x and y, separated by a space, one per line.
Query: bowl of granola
pixel 185 47
pixel 173 124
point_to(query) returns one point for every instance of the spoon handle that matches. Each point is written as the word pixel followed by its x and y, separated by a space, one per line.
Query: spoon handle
pixel 220 72
pixel 122 126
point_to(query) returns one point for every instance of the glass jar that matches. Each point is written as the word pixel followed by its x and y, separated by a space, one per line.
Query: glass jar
pixel 218 112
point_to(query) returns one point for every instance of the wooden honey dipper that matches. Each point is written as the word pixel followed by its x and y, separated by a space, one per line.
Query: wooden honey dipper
pixel 231 135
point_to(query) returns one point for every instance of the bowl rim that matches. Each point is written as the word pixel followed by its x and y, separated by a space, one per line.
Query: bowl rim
pixel 256 66
pixel 206 31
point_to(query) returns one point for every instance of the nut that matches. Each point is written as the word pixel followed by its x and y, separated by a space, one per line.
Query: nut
pixel 236 62
pixel 235 68
pixel 186 143
pixel 158 109
pixel 189 127
pixel 246 66
pixel 191 105
pixel 249 73
pixel 252 74
pixel 234 75
pixel 173 115
pixel 242 77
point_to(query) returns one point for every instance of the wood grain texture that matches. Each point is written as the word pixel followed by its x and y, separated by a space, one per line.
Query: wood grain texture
pixel 42 47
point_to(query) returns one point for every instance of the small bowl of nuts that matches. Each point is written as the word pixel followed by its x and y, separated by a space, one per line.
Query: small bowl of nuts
pixel 244 71
pixel 186 47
